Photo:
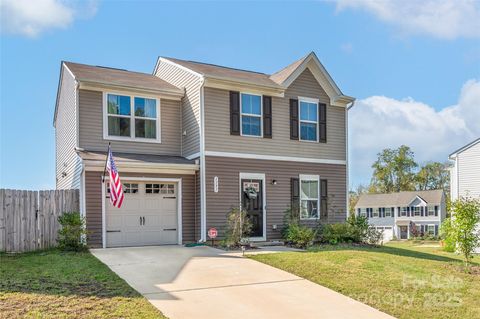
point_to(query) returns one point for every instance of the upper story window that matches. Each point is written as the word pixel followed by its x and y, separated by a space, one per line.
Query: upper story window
pixel 404 211
pixel 309 197
pixel 388 212
pixel 416 211
pixel 431 210
pixel 251 114
pixel 363 212
pixel 308 120
pixel 132 118
pixel 376 212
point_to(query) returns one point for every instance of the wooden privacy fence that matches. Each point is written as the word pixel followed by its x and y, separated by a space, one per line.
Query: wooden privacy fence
pixel 29 219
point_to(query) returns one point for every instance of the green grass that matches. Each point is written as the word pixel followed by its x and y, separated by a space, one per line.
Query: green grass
pixel 406 280
pixel 54 284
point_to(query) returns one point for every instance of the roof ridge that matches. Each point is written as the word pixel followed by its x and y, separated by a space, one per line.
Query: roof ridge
pixel 217 65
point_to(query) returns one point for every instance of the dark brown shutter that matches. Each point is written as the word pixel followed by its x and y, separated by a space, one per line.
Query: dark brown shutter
pixel 295 192
pixel 322 123
pixel 234 113
pixel 267 117
pixel 436 210
pixel 323 199
pixel 293 119
pixel 399 213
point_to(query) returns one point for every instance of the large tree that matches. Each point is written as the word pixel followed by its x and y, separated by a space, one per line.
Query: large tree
pixel 394 171
pixel 433 175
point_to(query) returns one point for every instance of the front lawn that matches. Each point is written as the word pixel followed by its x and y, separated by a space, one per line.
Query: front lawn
pixel 54 284
pixel 403 279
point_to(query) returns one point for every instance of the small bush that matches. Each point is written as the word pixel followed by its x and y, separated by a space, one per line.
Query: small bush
pixel 300 236
pixel 238 229
pixel 373 236
pixel 72 233
pixel 448 241
pixel 336 233
pixel 355 230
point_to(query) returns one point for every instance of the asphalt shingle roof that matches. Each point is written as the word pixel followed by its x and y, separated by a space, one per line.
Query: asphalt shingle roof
pixel 398 199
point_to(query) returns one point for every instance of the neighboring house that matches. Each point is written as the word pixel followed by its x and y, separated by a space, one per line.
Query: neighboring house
pixel 405 214
pixel 194 140
pixel 465 172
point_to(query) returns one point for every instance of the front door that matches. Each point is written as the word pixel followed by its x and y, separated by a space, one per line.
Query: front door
pixel 403 232
pixel 252 202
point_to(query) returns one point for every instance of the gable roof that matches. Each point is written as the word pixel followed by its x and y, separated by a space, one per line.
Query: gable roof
pixel 463 148
pixel 399 199
pixel 120 78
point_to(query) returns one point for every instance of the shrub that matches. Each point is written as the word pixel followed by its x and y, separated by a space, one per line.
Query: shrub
pixel 336 233
pixel 355 230
pixel 445 235
pixel 238 228
pixel 72 233
pixel 299 236
pixel 358 227
pixel 373 236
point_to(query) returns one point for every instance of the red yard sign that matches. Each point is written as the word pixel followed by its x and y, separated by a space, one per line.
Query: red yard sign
pixel 212 233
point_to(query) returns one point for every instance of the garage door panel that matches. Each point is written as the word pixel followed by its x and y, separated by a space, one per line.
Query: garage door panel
pixel 147 216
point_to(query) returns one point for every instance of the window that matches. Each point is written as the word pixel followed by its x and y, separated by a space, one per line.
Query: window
pixel 376 212
pixel 363 212
pixel 388 212
pixel 416 211
pixel 404 211
pixel 129 188
pixel 251 114
pixel 129 117
pixel 431 210
pixel 309 197
pixel 160 189
pixel 152 188
pixel 308 121
pixel 431 230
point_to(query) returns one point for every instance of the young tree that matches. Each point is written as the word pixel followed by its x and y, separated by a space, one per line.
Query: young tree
pixel 433 175
pixel 464 228
pixel 353 196
pixel 394 171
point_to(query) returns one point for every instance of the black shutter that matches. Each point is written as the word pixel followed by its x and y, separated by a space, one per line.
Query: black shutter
pixel 358 211
pixel 422 211
pixel 293 119
pixel 399 212
pixel 267 117
pixel 234 113
pixel 436 210
pixel 422 229
pixel 295 192
pixel 323 199
pixel 392 214
pixel 436 230
pixel 322 123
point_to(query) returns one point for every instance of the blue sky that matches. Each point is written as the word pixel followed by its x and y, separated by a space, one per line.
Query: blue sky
pixel 416 79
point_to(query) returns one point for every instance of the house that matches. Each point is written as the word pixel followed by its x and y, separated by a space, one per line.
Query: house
pixel 405 214
pixel 465 172
pixel 192 140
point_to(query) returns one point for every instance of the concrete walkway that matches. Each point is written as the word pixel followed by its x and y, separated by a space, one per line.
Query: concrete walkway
pixel 203 282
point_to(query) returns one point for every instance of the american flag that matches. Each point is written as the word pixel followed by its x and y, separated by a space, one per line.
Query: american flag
pixel 116 188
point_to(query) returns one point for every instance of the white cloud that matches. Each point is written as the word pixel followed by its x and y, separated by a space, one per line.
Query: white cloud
pixel 445 19
pixel 379 122
pixel 32 17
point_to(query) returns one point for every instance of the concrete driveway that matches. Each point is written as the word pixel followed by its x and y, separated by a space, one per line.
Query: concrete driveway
pixel 203 282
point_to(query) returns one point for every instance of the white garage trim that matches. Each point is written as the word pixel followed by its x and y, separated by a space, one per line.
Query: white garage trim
pixel 145 179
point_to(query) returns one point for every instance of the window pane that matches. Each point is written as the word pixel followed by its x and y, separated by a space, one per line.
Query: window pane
pixel 309 189
pixel 118 126
pixel 251 125
pixel 118 104
pixel 308 111
pixel 251 104
pixel 308 131
pixel 145 107
pixel 309 209
pixel 146 128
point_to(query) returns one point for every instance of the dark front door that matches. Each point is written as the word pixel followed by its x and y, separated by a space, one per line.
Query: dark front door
pixel 252 202
pixel 403 232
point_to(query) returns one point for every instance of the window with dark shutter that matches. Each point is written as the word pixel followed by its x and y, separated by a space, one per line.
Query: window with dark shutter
pixel 323 199
pixel 322 123
pixel 295 192
pixel 267 117
pixel 234 113
pixel 293 119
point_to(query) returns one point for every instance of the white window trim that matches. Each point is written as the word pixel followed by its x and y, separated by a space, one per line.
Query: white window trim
pixel 132 118
pixel 377 210
pixel 415 211
pixel 404 210
pixel 307 100
pixel 251 115
pixel 261 177
pixel 310 178
pixel 428 211
pixel 390 210
pixel 363 212
pixel 427 231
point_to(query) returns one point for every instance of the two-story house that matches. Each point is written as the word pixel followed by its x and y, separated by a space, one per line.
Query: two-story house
pixel 192 140
pixel 405 214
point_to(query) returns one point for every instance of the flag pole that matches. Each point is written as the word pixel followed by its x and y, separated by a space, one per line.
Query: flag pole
pixel 106 160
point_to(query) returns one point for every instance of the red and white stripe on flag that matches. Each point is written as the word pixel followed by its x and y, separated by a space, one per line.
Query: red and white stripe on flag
pixel 116 188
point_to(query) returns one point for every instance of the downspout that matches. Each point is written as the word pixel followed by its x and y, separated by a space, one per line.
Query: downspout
pixel 203 199
pixel 351 104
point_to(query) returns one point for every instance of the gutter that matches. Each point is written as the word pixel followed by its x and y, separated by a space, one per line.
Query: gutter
pixel 203 199
pixel 347 155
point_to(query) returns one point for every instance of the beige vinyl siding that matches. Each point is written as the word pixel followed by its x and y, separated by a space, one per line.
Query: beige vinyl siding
pixel 217 125
pixel 66 160
pixel 93 201
pixel 469 172
pixel 190 103
pixel 278 197
pixel 91 128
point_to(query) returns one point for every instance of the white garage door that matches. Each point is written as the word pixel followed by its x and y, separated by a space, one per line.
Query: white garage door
pixel 148 215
